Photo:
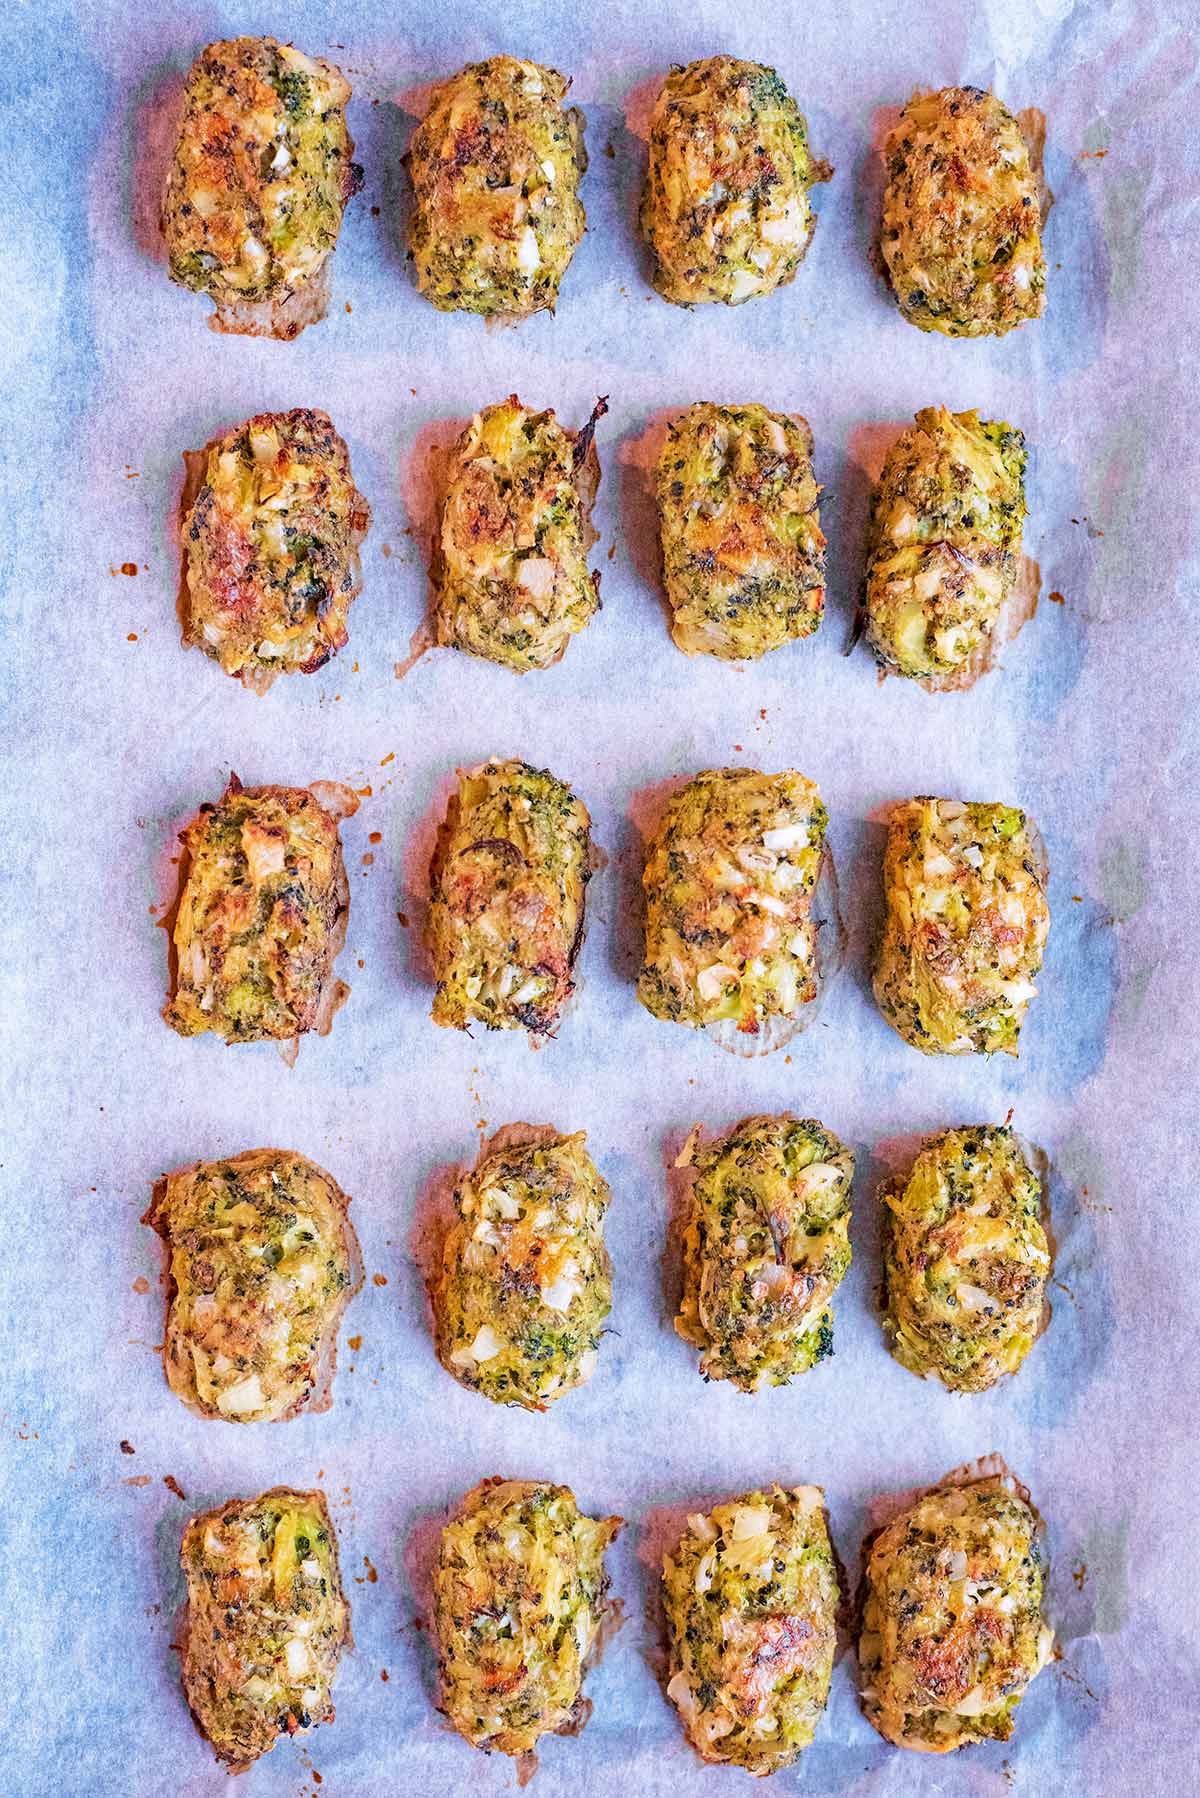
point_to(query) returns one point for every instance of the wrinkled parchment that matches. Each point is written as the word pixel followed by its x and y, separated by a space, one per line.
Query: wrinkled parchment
pixel 115 733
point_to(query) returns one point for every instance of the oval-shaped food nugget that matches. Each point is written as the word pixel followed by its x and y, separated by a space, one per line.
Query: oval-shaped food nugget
pixel 520 1612
pixel 945 541
pixel 265 1621
pixel 725 209
pixel 510 570
pixel 962 218
pixel 965 925
pixel 965 1259
pixel 508 883
pixel 262 915
pixel 743 552
pixel 729 879
pixel 952 1624
pixel 765 1246
pixel 496 165
pixel 525 1283
pixel 262 1260
pixel 261 175
pixel 271 527
pixel 751 1598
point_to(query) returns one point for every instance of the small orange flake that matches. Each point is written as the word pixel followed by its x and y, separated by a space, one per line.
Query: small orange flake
pixel 612 550
pixel 128 567
pixel 385 550
pixel 349 307
pixel 141 1284
pixel 372 1572
pixel 361 962
pixel 132 637
pixel 374 212
pixel 383 1674
pixel 127 1448
pixel 138 1479
pixel 363 792
pixel 172 1485
pixel 389 757
pixel 379 1279
pixel 354 1342
pixel 738 748
pixel 1078 898
pixel 403 920
pixel 376 836
pixel 368 860
pixel 1056 599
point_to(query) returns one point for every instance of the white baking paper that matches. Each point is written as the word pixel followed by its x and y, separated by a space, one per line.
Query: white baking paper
pixel 114 734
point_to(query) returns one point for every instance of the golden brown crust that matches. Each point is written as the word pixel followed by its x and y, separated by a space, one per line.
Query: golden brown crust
pixel 313 1382
pixel 965 1258
pixel 261 174
pixel 508 880
pixel 496 165
pixel 729 880
pixel 962 214
pixel 525 1281
pixel 209 1669
pixel 261 917
pixel 513 501
pixel 742 546
pixel 965 924
pixel 520 1613
pixel 944 1664
pixel 271 524
pixel 726 209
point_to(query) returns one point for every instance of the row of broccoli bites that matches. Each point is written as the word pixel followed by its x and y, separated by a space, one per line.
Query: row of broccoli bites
pixel 951 1625
pixel 741 925
pixel 263 169
pixel 261 1261
pixel 271 523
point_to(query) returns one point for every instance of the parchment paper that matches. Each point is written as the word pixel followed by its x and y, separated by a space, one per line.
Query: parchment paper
pixel 115 734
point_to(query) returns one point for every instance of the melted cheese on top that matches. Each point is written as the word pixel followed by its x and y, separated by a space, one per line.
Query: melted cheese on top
pixel 260 1270
pixel 966 1259
pixel 272 546
pixel 506 911
pixel 261 915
